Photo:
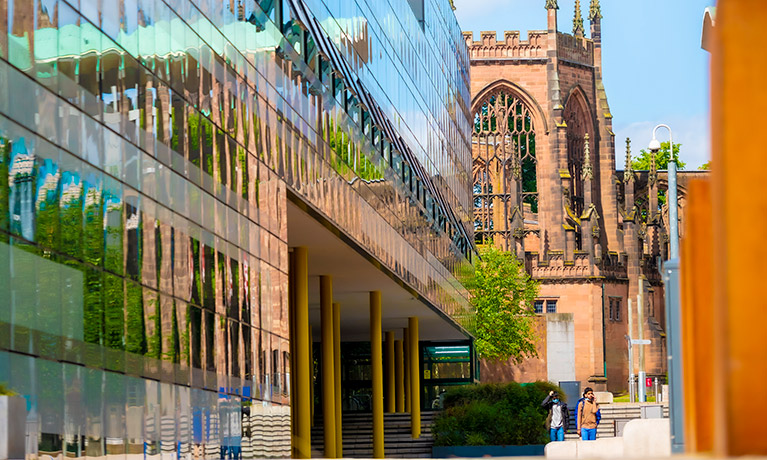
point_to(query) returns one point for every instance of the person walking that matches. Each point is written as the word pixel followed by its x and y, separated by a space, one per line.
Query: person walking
pixel 558 418
pixel 587 416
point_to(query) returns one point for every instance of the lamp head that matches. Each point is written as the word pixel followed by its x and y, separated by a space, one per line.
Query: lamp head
pixel 654 145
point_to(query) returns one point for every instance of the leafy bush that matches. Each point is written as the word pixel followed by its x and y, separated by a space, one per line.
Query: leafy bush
pixel 493 414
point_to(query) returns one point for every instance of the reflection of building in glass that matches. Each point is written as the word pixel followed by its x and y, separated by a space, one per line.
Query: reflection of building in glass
pixel 159 166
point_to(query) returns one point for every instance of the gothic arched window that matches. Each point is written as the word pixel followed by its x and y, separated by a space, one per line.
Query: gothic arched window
pixel 578 122
pixel 504 165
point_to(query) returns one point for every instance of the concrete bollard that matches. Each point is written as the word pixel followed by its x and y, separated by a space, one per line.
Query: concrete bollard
pixel 647 438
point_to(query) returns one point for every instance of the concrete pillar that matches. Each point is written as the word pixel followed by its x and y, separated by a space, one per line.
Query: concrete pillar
pixel 328 369
pixel 415 379
pixel 303 434
pixel 337 378
pixel 376 364
pixel 390 382
pixel 399 376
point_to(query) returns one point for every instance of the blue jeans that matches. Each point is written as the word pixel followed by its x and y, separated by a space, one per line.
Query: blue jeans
pixel 588 434
pixel 557 434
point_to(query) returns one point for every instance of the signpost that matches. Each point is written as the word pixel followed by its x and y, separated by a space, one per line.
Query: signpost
pixel 631 343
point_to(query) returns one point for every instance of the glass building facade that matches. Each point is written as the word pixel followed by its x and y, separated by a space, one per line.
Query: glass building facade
pixel 148 149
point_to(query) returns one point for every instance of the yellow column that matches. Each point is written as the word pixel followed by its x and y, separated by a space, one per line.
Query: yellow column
pixel 406 363
pixel 303 445
pixel 292 318
pixel 390 372
pixel 328 370
pixel 415 379
pixel 399 376
pixel 337 379
pixel 739 200
pixel 376 363
pixel 311 375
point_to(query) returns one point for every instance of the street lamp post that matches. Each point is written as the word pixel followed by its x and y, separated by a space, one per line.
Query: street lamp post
pixel 670 274
pixel 672 197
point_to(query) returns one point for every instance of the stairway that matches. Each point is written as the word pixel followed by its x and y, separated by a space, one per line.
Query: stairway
pixel 358 436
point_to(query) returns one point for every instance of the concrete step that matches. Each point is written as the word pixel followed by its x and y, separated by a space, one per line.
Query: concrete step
pixel 358 436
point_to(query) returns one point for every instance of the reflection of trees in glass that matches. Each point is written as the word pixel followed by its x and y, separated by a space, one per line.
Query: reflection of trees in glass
pixel 135 340
pixel 71 214
pixel 349 155
pixel 183 312
pixel 242 156
pixel 152 324
pixel 173 351
pixel 220 153
pixel 114 229
pixel 93 311
pixel 47 205
pixel 82 214
pixel 114 329
pixel 208 279
pixel 193 128
pixel 196 278
pixel 234 287
pixel 93 234
pixel 207 139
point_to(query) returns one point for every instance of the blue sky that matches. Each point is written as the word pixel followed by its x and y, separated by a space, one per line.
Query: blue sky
pixel 653 67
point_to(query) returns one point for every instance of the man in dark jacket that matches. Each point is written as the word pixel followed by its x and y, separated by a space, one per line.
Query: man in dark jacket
pixel 558 419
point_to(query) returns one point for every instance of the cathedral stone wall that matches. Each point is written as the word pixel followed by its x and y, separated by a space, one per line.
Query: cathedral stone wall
pixel 587 231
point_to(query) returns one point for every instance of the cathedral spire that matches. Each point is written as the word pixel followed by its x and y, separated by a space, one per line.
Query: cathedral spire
pixel 628 173
pixel 578 20
pixel 551 5
pixel 587 172
pixel 595 12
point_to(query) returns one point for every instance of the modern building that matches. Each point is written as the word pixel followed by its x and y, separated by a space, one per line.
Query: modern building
pixel 546 187
pixel 213 212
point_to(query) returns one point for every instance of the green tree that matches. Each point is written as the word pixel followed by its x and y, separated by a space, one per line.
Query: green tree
pixel 642 162
pixel 502 295
pixel 705 166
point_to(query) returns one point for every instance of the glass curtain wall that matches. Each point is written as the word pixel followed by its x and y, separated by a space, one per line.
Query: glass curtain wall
pixel 147 150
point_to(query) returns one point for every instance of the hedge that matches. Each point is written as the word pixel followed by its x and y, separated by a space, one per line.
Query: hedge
pixel 493 414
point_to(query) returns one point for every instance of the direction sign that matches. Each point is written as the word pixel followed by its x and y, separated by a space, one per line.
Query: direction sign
pixel 640 342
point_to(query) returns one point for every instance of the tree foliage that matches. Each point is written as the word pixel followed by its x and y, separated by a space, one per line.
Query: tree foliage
pixel 642 162
pixel 503 294
pixel 705 166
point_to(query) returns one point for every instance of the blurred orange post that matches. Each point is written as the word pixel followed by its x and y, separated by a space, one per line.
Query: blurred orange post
pixel 697 273
pixel 739 198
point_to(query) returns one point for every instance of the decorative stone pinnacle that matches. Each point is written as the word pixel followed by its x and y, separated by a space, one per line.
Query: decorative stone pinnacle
pixel 628 174
pixel 578 20
pixel 653 175
pixel 551 5
pixel 595 12
pixel 588 172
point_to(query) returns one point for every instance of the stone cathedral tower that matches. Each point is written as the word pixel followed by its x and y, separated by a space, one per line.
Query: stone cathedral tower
pixel 546 188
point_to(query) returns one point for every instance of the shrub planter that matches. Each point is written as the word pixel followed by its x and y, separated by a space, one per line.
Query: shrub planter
pixel 531 450
pixel 13 421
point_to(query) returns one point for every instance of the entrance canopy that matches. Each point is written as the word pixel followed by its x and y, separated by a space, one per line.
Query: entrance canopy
pixel 354 276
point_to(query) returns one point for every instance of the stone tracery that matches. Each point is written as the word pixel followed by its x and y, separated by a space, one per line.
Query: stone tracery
pixel 504 168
